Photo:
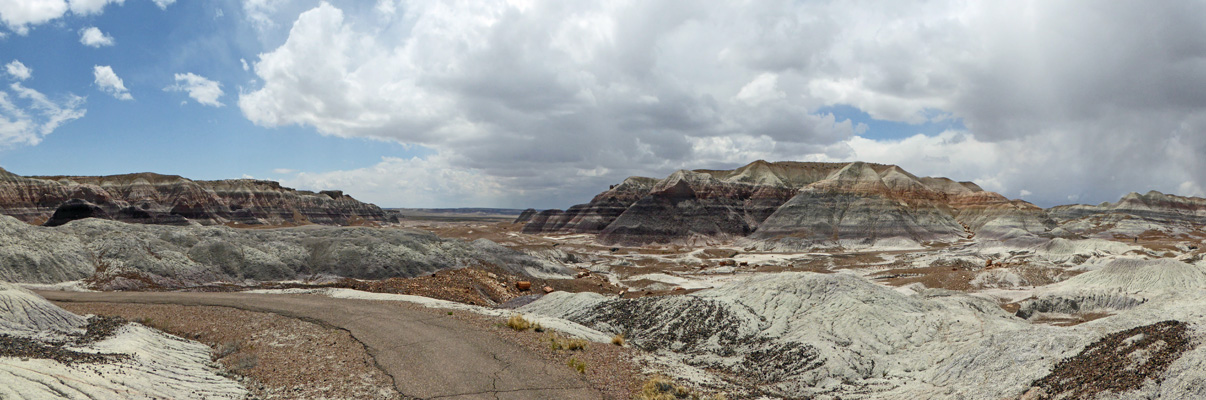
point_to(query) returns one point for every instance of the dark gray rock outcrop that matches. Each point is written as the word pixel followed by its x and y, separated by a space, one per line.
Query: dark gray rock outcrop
pixel 120 255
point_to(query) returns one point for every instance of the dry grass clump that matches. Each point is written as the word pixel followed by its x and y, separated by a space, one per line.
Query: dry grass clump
pixel 577 365
pixel 558 342
pixel 225 349
pixel 519 323
pixel 618 340
pixel 661 388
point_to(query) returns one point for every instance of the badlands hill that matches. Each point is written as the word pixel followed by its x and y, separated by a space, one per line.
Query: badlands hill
pixel 794 203
pixel 173 200
pixel 118 256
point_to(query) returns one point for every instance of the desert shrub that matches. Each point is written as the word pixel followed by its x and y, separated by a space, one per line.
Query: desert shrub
pixel 558 342
pixel 577 365
pixel 519 323
pixel 225 349
pixel 661 388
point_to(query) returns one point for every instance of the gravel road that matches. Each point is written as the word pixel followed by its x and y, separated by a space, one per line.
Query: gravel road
pixel 429 357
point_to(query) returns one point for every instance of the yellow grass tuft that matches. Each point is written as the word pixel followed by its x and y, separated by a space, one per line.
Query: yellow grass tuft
pixel 661 388
pixel 519 323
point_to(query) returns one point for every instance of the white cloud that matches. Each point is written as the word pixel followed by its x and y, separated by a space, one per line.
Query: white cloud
pixel 1024 193
pixel 163 4
pixel 89 7
pixel 646 87
pixel 93 37
pixel 108 82
pixel 244 62
pixel 29 116
pixel 284 171
pixel 259 12
pixel 20 15
pixel 18 71
pixel 414 182
pixel 202 90
pixel 761 89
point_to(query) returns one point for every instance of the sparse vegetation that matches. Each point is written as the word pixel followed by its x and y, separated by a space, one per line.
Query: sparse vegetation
pixel 225 349
pixel 661 388
pixel 243 363
pixel 577 365
pixel 519 323
pixel 618 340
pixel 558 342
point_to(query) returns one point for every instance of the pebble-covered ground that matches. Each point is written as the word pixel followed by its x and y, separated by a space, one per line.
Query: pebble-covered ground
pixel 1119 362
pixel 275 357
pixel 98 328
pixel 294 359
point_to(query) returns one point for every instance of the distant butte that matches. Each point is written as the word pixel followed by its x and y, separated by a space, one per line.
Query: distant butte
pixel 150 198
pixel 795 203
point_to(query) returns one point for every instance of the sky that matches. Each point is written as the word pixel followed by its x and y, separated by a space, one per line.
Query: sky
pixel 530 103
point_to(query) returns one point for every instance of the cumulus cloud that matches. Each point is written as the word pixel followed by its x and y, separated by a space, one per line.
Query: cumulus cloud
pixel 108 82
pixel 539 94
pixel 20 15
pixel 425 182
pixel 89 7
pixel 27 115
pixel 202 90
pixel 93 37
pixel 18 71
pixel 163 4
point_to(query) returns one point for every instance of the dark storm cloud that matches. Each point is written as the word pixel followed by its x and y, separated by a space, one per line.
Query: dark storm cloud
pixel 1062 100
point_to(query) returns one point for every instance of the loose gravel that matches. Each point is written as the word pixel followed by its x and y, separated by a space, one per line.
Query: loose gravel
pixel 1119 362
pixel 275 357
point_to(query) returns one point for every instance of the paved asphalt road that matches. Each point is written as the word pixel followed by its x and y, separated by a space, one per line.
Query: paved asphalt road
pixel 429 357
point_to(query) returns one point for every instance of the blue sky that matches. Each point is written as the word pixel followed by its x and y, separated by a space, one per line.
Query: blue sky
pixel 162 131
pixel 545 103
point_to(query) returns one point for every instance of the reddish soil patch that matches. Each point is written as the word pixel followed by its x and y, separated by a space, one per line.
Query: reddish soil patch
pixel 1076 319
pixel 953 278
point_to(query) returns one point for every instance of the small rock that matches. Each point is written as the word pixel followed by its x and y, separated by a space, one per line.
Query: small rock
pixel 523 285
pixel 548 289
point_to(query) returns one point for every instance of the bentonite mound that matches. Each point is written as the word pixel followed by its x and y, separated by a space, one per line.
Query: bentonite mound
pixel 24 313
pixel 1120 362
pixel 805 335
pixel 168 199
pixel 117 255
pixel 1134 215
pixel 47 352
